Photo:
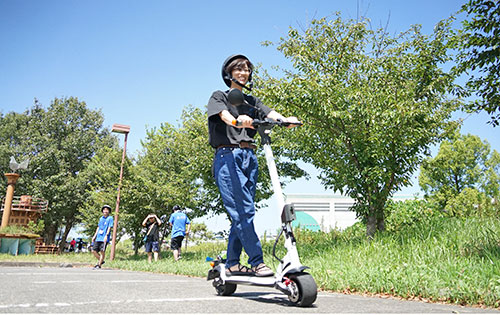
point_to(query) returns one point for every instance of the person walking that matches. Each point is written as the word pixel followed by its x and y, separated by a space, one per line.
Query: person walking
pixel 80 245
pixel 152 222
pixel 72 245
pixel 178 221
pixel 235 163
pixel 102 235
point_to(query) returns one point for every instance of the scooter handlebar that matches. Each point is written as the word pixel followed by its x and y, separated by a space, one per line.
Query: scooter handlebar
pixel 268 122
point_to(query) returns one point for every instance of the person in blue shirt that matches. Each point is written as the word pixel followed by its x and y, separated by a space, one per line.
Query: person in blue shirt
pixel 178 221
pixel 102 236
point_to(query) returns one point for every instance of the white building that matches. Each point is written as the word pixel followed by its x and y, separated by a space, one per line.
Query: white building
pixel 325 212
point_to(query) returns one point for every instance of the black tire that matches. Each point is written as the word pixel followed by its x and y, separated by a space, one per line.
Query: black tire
pixel 224 289
pixel 304 289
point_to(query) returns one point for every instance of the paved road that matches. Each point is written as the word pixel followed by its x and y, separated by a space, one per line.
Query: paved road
pixel 82 290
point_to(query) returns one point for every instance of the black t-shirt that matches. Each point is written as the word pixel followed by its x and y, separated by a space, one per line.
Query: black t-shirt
pixel 222 134
pixel 153 236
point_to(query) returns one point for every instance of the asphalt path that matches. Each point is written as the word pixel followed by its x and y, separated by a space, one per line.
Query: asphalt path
pixel 83 290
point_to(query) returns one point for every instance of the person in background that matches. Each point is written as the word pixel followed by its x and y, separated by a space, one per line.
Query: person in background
pixel 72 244
pixel 80 245
pixel 152 222
pixel 178 221
pixel 102 235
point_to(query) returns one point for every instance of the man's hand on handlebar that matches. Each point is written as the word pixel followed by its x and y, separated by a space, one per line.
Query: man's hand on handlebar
pixel 294 122
pixel 244 121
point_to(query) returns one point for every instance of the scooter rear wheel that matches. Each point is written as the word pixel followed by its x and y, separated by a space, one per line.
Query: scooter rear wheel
pixel 224 289
pixel 304 289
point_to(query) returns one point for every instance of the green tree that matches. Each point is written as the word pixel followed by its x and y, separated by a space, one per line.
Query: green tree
pixel 58 140
pixel 372 105
pixel 200 232
pixel 479 55
pixel 178 166
pixel 464 173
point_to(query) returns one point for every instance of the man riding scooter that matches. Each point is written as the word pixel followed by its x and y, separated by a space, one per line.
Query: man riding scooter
pixel 235 163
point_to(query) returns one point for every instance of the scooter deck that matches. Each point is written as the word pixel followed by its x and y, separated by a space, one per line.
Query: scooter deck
pixel 240 279
pixel 252 280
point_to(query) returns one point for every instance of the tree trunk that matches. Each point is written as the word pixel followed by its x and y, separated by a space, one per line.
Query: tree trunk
pixel 67 229
pixel 381 222
pixel 49 234
pixel 137 242
pixel 375 222
pixel 371 226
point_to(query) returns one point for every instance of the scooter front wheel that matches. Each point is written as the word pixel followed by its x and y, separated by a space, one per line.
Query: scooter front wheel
pixel 304 289
pixel 224 289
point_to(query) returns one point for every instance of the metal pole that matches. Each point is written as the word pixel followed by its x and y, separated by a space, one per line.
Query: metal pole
pixel 117 208
pixel 11 183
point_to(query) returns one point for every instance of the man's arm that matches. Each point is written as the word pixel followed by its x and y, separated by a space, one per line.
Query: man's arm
pixel 107 234
pixel 157 220
pixel 188 230
pixel 95 234
pixel 228 118
pixel 144 222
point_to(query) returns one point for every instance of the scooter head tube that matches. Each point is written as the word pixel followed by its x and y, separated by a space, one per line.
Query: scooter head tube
pixel 288 214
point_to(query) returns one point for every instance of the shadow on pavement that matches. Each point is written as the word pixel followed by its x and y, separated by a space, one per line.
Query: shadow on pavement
pixel 261 297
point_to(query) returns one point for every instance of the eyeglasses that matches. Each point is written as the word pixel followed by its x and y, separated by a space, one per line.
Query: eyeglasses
pixel 243 70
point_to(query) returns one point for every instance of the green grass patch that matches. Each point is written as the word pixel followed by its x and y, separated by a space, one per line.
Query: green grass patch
pixel 441 259
pixel 455 260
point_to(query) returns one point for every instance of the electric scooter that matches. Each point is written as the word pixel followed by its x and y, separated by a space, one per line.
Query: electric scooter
pixel 289 277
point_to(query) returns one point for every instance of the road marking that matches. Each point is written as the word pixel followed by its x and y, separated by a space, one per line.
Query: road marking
pixel 147 281
pixel 44 282
pixel 64 304
pixel 112 281
pixel 192 299
pixel 99 273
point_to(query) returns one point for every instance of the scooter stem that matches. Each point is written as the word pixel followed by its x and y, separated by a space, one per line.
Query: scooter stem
pixel 273 173
pixel 280 200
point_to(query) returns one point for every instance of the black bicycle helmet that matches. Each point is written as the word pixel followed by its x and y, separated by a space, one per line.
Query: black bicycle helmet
pixel 106 207
pixel 227 76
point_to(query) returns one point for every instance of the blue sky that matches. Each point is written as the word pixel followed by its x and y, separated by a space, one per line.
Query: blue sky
pixel 141 62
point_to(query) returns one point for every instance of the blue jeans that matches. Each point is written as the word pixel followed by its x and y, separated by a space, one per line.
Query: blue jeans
pixel 236 172
pixel 152 247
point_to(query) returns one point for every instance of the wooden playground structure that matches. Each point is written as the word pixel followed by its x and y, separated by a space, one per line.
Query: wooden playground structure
pixel 25 209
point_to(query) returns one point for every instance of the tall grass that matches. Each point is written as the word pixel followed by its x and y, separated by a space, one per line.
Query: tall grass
pixel 454 260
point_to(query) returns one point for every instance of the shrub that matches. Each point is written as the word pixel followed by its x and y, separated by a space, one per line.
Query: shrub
pixel 401 214
pixel 470 202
